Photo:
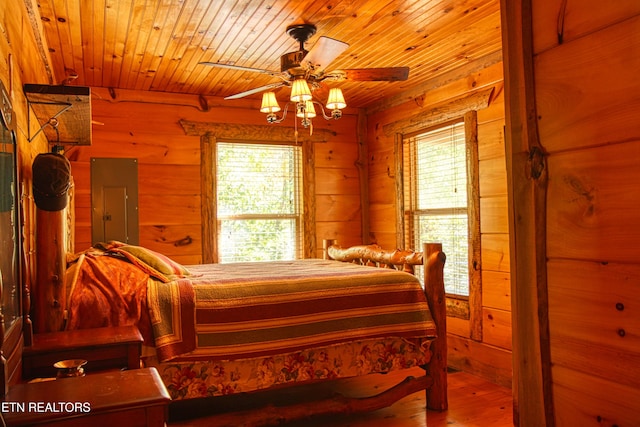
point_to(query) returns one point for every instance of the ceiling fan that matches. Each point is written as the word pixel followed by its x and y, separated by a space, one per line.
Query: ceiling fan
pixel 311 65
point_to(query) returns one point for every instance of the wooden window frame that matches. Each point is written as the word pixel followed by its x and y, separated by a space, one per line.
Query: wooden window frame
pixel 458 303
pixel 211 132
pixel 300 196
pixel 465 308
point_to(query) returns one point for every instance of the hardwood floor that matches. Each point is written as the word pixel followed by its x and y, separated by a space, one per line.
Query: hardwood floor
pixel 473 402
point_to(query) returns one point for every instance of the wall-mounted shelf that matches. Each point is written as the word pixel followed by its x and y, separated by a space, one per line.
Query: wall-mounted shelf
pixel 63 112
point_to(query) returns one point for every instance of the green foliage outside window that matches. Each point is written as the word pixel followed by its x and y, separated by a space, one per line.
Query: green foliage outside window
pixel 258 202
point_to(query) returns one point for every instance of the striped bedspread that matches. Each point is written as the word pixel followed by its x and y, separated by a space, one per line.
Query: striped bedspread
pixel 232 311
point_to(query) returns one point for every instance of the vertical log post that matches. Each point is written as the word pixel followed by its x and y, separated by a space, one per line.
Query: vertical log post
pixel 51 183
pixel 434 260
pixel 50 300
pixel 527 175
pixel 325 247
pixel 208 195
pixel 309 249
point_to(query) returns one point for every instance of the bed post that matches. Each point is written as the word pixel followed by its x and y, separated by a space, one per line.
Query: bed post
pixel 325 247
pixel 434 260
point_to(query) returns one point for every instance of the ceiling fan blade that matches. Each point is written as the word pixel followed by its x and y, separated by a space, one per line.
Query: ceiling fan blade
pixel 239 68
pixel 256 90
pixel 390 74
pixel 323 53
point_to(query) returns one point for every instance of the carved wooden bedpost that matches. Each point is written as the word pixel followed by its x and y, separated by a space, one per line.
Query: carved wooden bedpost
pixel 51 183
pixel 434 260
pixel 325 247
pixel 50 299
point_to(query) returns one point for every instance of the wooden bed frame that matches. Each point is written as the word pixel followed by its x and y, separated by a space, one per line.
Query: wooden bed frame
pixel 434 381
pixel 433 259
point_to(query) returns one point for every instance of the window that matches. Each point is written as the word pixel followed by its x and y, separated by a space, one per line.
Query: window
pixel 436 202
pixel 258 192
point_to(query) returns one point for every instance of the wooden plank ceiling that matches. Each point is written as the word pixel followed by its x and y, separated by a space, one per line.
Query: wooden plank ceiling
pixel 157 45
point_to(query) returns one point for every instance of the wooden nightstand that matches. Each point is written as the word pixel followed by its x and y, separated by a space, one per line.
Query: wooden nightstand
pixel 103 348
pixel 135 398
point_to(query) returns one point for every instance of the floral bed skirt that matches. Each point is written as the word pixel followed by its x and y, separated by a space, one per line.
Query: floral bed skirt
pixel 191 379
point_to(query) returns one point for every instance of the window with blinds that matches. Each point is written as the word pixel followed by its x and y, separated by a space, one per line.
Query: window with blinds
pixel 259 200
pixel 435 199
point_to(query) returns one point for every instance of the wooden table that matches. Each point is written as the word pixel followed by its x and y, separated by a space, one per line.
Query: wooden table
pixel 103 348
pixel 133 398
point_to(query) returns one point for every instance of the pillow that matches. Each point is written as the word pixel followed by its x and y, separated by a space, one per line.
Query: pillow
pixel 157 261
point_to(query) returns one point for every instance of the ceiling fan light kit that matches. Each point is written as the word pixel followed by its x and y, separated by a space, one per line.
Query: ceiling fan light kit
pixel 269 103
pixel 308 112
pixel 304 105
pixel 300 91
pixel 336 101
pixel 304 72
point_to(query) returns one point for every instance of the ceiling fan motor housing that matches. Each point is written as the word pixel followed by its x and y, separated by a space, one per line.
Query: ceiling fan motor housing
pixel 291 62
pixel 301 32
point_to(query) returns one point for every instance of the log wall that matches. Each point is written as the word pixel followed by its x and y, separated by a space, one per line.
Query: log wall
pixel 489 356
pixel 586 62
pixel 20 62
pixel 146 126
pixel 587 95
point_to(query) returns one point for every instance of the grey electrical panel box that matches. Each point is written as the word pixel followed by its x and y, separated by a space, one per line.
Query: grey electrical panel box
pixel 114 200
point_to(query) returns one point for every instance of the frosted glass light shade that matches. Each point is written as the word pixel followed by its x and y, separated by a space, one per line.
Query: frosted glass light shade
pixel 300 91
pixel 269 103
pixel 336 99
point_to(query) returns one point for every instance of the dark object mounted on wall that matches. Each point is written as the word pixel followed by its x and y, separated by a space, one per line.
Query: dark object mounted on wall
pixel 51 181
pixel 63 112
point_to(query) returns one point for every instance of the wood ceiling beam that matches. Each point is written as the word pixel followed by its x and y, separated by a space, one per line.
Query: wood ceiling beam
pixel 419 91
pixel 38 35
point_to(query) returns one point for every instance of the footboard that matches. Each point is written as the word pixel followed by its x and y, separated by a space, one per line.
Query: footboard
pixel 433 260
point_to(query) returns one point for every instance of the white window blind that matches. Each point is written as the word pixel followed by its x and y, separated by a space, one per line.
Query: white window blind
pixel 258 189
pixel 435 202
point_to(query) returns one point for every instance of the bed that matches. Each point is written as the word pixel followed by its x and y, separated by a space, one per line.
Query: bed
pixel 227 329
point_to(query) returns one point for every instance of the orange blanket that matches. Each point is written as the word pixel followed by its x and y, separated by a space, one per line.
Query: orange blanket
pixel 112 284
pixel 106 291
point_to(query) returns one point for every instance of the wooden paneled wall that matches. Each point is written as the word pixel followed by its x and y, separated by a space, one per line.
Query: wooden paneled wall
pixel 20 63
pixel 490 356
pixel 146 126
pixel 587 95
